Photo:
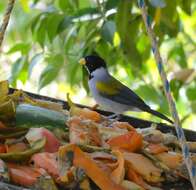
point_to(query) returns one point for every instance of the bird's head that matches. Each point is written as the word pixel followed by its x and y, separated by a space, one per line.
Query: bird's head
pixel 92 62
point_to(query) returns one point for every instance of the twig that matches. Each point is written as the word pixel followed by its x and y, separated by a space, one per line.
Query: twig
pixel 6 18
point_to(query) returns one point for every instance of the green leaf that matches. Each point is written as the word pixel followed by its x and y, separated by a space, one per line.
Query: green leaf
pixel 175 86
pixel 103 49
pixel 152 95
pixel 63 4
pixel 75 73
pixel 178 54
pixel 158 3
pixel 85 79
pixel 169 19
pixel 64 24
pixel 41 33
pixel 85 12
pixel 68 6
pixel 25 5
pixel 35 23
pixel 123 18
pixel 52 24
pixel 186 6
pixel 39 28
pixel 51 71
pixel 149 93
pixel 70 37
pixel 144 47
pixel 37 58
pixel 22 47
pixel 110 4
pixel 191 93
pixel 35 1
pixel 108 30
pixel 193 106
pixel 17 68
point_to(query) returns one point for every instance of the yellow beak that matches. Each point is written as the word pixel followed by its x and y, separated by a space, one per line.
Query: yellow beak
pixel 82 61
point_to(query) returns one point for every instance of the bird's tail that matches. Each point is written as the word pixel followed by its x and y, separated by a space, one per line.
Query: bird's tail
pixel 160 115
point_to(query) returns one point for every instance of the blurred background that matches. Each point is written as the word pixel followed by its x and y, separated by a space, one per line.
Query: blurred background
pixel 46 38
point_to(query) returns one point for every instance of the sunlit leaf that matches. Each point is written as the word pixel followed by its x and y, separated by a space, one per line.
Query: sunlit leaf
pixel 25 5
pixel 22 47
pixel 85 79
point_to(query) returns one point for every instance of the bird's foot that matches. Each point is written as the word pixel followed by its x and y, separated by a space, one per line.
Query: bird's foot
pixel 114 117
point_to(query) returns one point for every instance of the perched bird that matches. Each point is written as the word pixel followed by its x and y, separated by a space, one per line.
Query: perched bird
pixel 110 93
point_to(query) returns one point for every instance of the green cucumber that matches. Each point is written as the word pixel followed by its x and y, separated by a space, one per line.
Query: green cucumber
pixel 34 116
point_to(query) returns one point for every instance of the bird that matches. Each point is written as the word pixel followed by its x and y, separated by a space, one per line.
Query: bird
pixel 111 94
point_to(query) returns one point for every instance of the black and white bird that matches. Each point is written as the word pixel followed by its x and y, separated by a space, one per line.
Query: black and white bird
pixel 110 93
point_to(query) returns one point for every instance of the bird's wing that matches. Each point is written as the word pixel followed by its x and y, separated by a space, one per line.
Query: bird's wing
pixel 116 91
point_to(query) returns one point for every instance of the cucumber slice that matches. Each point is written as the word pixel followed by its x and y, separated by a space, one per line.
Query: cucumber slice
pixel 34 116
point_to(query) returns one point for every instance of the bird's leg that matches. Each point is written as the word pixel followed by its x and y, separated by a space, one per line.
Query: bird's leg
pixel 114 117
pixel 95 107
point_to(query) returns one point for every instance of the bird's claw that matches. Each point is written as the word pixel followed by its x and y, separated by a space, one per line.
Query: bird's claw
pixel 114 117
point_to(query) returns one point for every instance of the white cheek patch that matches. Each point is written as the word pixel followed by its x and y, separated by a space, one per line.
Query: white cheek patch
pixel 87 69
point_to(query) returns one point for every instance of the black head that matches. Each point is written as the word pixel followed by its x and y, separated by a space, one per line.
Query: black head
pixel 92 62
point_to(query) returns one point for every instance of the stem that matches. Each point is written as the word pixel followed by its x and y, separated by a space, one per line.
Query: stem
pixel 6 18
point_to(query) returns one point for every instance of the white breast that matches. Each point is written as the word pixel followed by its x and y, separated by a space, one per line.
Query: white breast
pixel 105 103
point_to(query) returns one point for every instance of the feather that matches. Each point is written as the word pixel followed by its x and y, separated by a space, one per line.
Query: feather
pixel 114 90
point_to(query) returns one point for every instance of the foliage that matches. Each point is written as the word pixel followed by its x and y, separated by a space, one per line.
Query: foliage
pixel 55 34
